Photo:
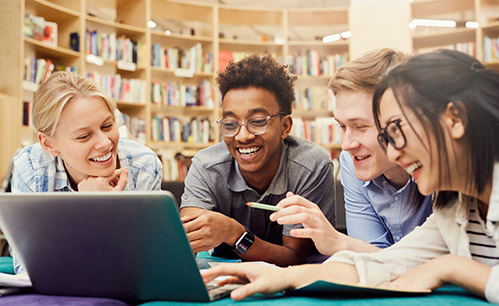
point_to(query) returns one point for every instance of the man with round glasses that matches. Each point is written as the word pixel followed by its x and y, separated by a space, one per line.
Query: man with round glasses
pixel 257 162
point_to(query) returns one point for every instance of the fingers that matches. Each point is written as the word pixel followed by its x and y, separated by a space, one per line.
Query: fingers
pixel 123 179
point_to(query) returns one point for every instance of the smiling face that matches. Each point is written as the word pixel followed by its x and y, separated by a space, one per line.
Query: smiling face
pixel 86 138
pixel 359 136
pixel 419 155
pixel 257 155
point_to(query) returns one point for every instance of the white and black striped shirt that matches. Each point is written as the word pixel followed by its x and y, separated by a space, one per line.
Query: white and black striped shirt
pixel 482 246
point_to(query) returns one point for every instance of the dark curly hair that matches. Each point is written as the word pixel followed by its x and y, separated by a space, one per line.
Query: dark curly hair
pixel 260 72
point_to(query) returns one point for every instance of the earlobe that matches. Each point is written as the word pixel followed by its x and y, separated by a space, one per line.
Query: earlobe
pixel 453 119
pixel 47 145
pixel 287 124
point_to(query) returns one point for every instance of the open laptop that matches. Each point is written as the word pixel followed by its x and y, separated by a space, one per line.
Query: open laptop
pixel 125 245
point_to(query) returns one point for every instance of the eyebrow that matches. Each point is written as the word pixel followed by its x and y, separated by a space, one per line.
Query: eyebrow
pixel 251 112
pixel 82 129
pixel 353 120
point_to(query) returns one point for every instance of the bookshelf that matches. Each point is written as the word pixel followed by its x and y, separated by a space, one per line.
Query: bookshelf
pixel 169 70
pixel 477 42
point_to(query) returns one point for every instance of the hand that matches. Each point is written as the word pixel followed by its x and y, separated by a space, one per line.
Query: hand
pixel 430 275
pixel 258 278
pixel 315 225
pixel 115 182
pixel 207 229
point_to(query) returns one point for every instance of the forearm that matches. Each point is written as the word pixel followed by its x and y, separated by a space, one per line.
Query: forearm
pixel 280 255
pixel 345 242
pixel 333 272
pixel 466 273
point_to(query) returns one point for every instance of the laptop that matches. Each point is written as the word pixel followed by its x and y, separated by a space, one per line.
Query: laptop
pixel 124 245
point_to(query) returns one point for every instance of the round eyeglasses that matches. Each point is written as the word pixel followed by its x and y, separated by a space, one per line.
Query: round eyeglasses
pixel 392 134
pixel 255 125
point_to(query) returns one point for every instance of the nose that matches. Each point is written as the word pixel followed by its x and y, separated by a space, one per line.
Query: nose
pixel 348 141
pixel 244 135
pixel 102 141
pixel 393 154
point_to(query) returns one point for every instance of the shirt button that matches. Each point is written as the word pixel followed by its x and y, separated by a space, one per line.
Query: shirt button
pixel 397 238
pixel 396 198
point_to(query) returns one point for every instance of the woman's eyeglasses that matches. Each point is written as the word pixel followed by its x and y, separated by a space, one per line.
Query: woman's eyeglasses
pixel 392 134
pixel 255 125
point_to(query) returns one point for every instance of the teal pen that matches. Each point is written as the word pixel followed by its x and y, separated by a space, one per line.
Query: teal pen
pixel 263 206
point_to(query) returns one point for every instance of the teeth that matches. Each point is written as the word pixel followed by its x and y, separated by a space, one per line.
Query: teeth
pixel 103 158
pixel 413 167
pixel 361 157
pixel 248 151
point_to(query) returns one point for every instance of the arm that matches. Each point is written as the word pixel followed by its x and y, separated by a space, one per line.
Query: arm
pixel 363 222
pixel 207 229
pixel 326 238
pixel 463 272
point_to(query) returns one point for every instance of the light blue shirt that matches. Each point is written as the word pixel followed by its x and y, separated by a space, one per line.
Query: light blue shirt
pixel 37 171
pixel 375 211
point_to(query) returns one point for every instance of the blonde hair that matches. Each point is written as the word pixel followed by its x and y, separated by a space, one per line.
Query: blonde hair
pixel 58 90
pixel 366 71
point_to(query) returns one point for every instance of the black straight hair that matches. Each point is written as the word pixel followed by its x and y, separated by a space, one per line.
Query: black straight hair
pixel 426 84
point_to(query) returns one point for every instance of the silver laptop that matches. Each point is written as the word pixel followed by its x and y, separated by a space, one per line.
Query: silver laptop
pixel 125 245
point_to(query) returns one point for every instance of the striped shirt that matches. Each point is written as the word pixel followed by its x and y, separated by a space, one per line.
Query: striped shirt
pixel 482 246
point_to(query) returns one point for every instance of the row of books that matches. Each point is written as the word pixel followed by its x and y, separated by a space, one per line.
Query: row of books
pixel 38 28
pixel 465 47
pixel 490 49
pixel 177 94
pixel 322 130
pixel 226 56
pixel 128 90
pixel 313 64
pixel 136 126
pixel 175 165
pixel 314 98
pixel 37 70
pixel 176 130
pixel 172 58
pixel 113 48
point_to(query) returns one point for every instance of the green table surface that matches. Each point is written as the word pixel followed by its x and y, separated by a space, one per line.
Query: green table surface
pixel 447 295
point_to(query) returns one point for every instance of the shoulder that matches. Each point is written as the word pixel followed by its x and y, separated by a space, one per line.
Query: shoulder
pixel 306 153
pixel 136 153
pixel 213 156
pixel 32 158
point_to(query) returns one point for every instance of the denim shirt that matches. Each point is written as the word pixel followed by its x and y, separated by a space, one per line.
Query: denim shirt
pixel 37 171
pixel 376 211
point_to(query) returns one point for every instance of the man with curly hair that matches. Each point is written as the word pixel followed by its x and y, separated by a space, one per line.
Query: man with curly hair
pixel 257 162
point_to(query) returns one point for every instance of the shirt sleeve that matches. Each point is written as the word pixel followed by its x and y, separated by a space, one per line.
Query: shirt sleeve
pixel 197 192
pixel 361 219
pixel 492 287
pixel 421 245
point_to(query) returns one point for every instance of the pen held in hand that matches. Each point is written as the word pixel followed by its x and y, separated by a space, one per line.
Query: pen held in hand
pixel 263 206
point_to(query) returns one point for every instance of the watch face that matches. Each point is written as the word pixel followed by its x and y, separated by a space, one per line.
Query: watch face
pixel 244 242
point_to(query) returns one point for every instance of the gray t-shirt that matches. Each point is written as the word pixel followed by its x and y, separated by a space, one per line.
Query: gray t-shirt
pixel 215 183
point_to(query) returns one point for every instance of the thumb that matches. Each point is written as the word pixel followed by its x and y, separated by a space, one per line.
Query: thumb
pixel 123 179
pixel 289 194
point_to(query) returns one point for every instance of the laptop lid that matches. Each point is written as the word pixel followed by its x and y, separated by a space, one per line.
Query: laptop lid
pixel 127 245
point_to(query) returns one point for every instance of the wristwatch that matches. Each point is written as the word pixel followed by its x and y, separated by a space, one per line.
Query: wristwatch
pixel 244 242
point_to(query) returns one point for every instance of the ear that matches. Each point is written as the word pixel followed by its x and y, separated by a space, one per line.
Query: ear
pixel 453 120
pixel 47 144
pixel 287 123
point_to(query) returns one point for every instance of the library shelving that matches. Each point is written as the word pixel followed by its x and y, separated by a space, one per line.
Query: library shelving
pixel 476 40
pixel 162 57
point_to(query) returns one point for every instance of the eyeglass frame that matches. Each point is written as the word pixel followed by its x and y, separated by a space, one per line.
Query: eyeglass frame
pixel 384 138
pixel 267 118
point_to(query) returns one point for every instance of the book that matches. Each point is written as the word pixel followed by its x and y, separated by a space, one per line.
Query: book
pixel 50 33
pixel 348 289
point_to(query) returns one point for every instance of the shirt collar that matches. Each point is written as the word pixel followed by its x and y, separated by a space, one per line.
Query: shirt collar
pixel 277 186
pixel 61 177
pixel 493 211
